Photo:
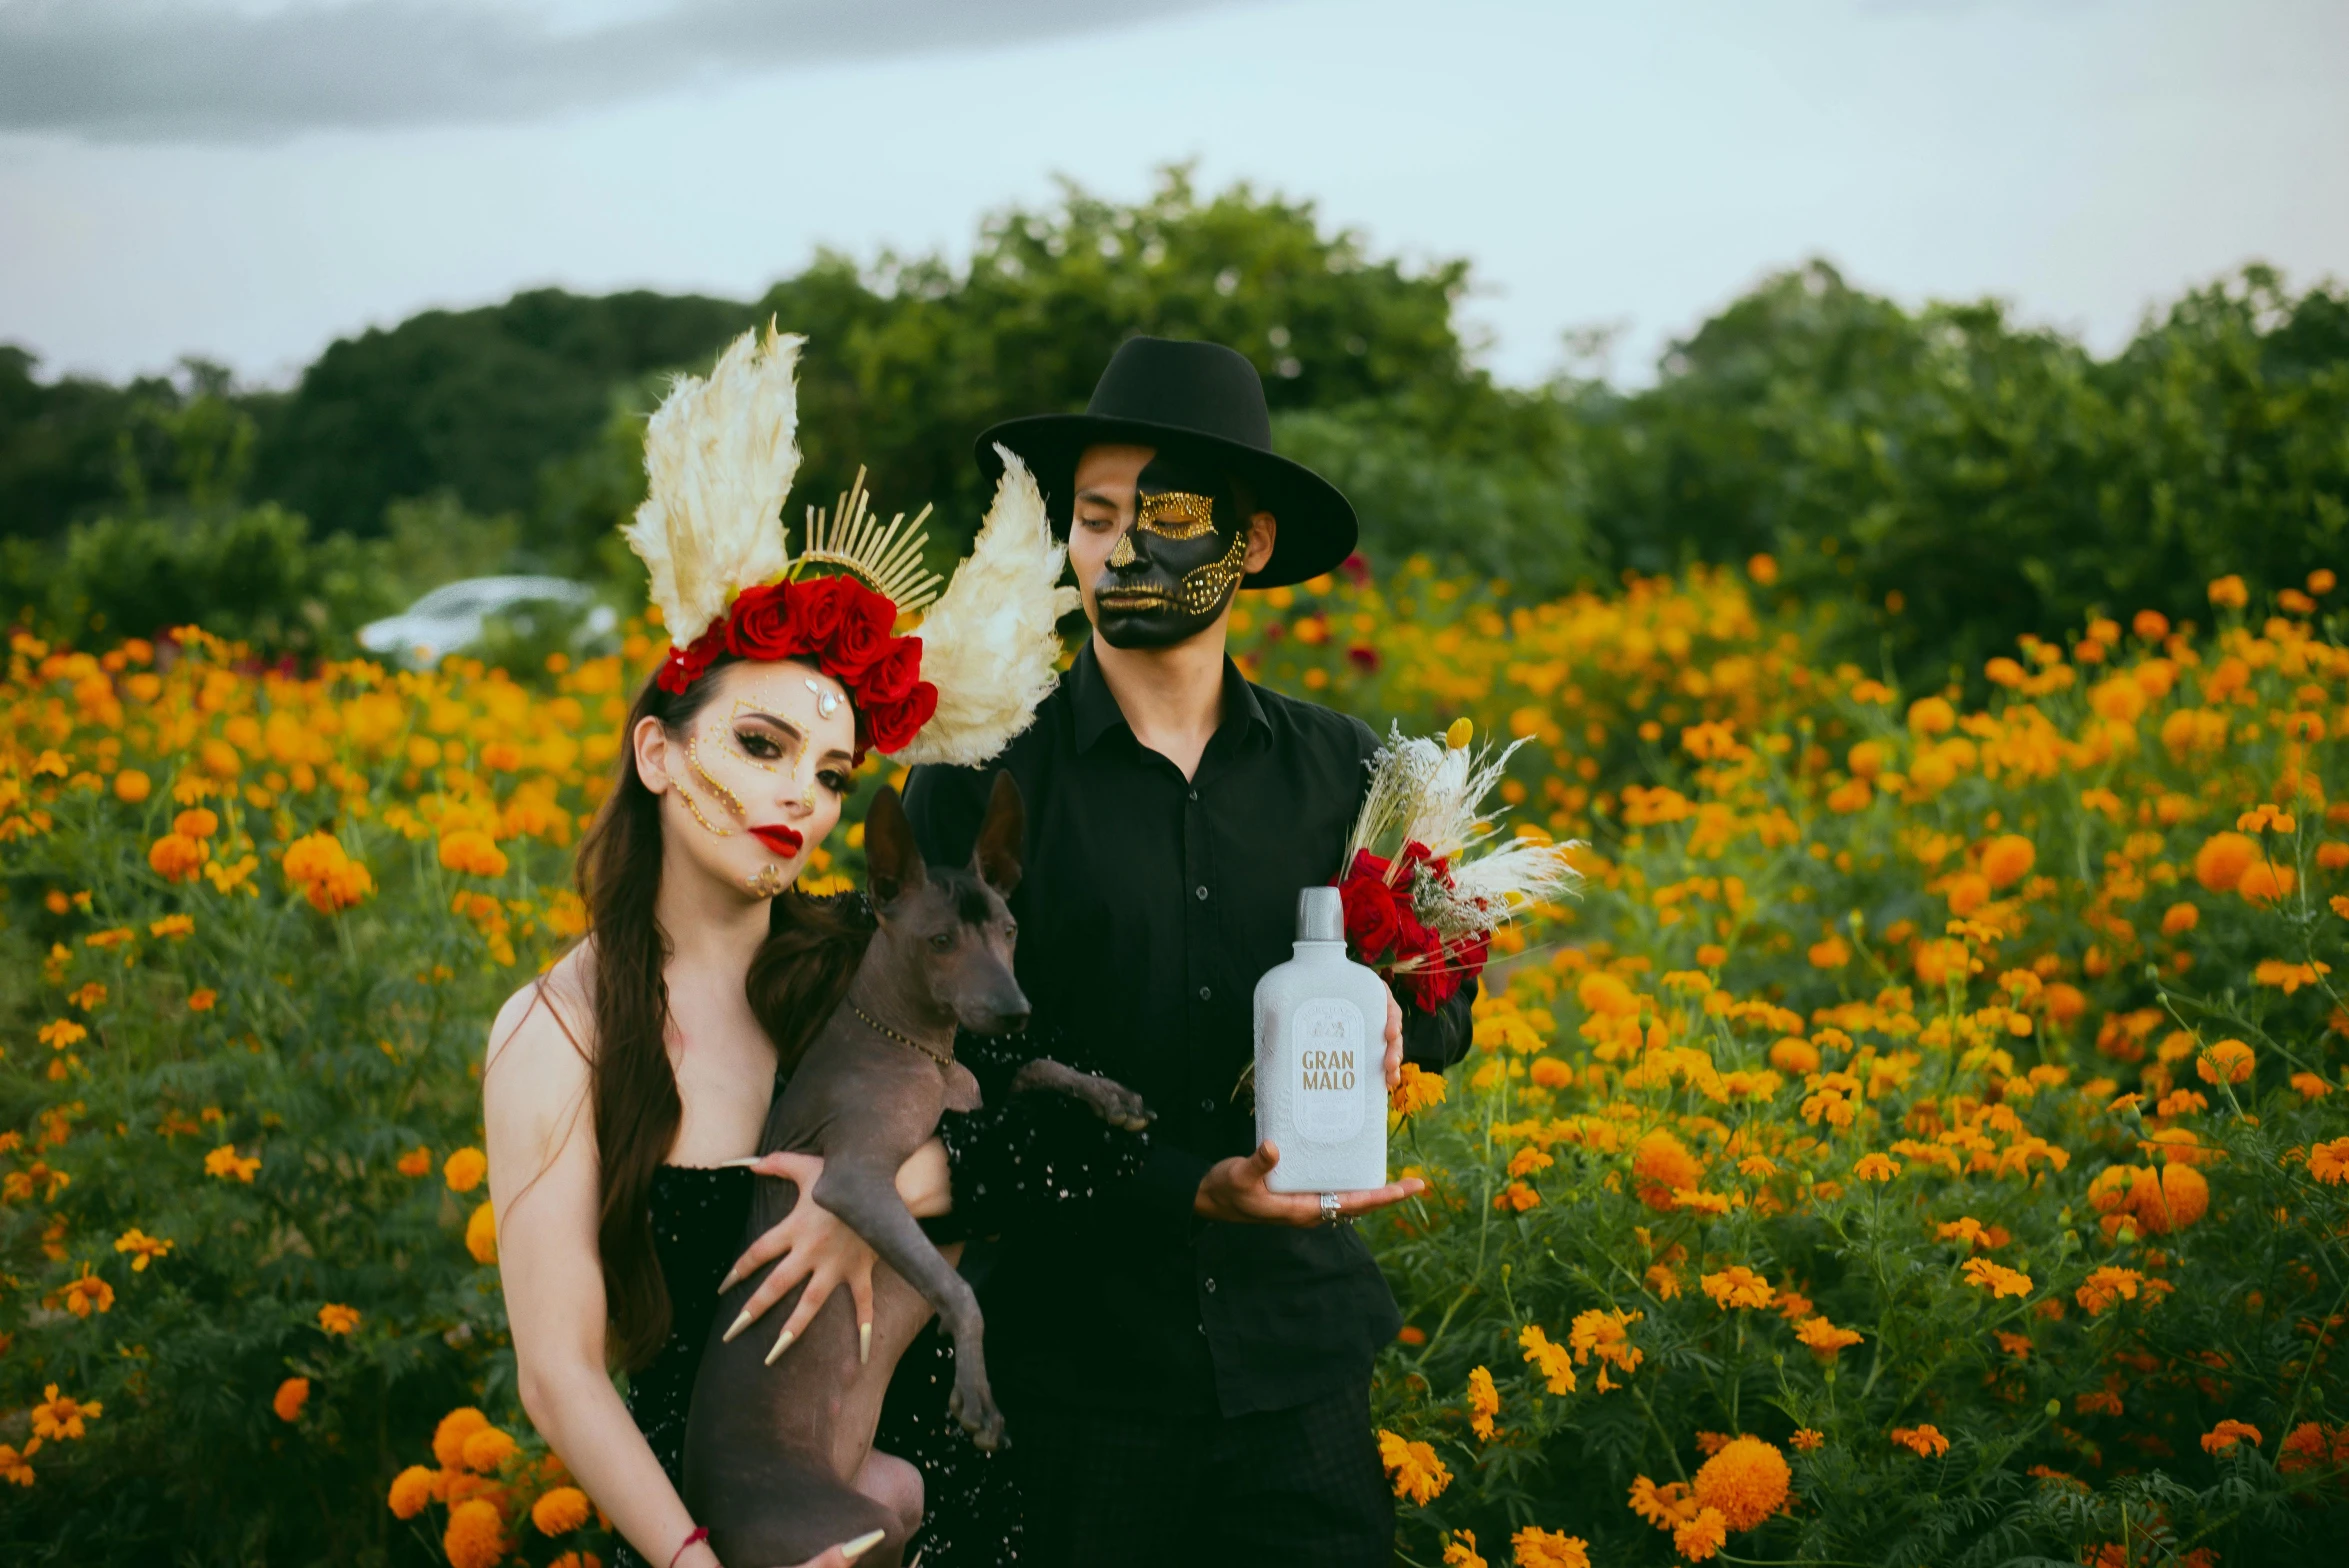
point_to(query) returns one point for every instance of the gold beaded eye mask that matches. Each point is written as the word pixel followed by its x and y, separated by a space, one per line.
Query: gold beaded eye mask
pixel 1175 514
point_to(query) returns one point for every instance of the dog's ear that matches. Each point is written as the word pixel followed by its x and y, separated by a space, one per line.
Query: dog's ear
pixel 996 858
pixel 893 863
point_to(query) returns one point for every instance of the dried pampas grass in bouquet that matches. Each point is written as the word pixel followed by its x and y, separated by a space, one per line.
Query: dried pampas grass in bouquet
pixel 1429 873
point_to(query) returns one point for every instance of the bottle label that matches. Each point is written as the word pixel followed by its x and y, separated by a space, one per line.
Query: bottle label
pixel 1329 1037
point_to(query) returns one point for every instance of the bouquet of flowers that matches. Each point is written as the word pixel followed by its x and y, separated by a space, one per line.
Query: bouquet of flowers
pixel 1429 876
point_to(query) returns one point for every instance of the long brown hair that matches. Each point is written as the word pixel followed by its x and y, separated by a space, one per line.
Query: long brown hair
pixel 796 980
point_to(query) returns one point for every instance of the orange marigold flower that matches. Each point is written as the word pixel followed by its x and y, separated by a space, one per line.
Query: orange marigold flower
pixel 84 1294
pixel 2328 1162
pixel 335 1318
pixel 132 786
pixel 60 1417
pixel 416 1161
pixel 1537 1548
pixel 2267 882
pixel 203 999
pixel 1484 1403
pixel 2177 1200
pixel 411 1489
pixel 1553 1359
pixel 328 877
pixel 561 1510
pixel 2220 863
pixel 481 1234
pixel 577 1560
pixel 1661 1163
pixel 143 1248
pixel 1702 1536
pixel 448 1438
pixel 1746 1481
pixel 1460 1551
pixel 1996 1278
pixel 464 1169
pixel 1418 1474
pixel 1925 1441
pixel 1416 1090
pixel 473 852
pixel 291 1396
pixel 2227 1434
pixel 487 1449
pixel 1663 1506
pixel 2009 857
pixel 2304 1448
pixel 175 857
pixel 2106 1287
pixel 1876 1167
pixel 1736 1286
pixel 1550 1073
pixel 1605 1333
pixel 2229 1061
pixel 2179 919
pixel 2310 1086
pixel 1823 1339
pixel 2228 592
pixel 476 1536
pixel 1518 1196
pixel 1808 1439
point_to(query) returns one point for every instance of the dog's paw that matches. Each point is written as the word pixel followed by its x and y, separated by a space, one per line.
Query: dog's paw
pixel 1116 1104
pixel 973 1404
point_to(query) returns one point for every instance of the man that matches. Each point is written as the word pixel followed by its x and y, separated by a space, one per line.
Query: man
pixel 1183 1355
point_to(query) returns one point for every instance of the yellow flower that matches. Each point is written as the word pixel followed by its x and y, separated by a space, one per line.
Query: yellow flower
pixel 132 786
pixel 2105 1287
pixel 1736 1287
pixel 1808 1439
pixel 1701 1537
pixel 1553 1359
pixel 473 852
pixel 1746 1481
pixel 59 1417
pixel 561 1510
pixel 481 1234
pixel 13 1468
pixel 85 1293
pixel 2229 1061
pixel 2328 1162
pixel 1996 1278
pixel 1460 1551
pixel 1605 1333
pixel 1824 1340
pixel 144 1249
pixel 291 1396
pixel 335 1318
pixel 1532 1547
pixel 327 876
pixel 224 1162
pixel 1484 1403
pixel 62 1033
pixel 1416 1091
pixel 1418 1474
pixel 1876 1167
pixel 411 1489
pixel 464 1169
pixel 2008 859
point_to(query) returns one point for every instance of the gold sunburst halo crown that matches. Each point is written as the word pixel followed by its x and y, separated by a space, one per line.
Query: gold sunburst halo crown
pixel 852 537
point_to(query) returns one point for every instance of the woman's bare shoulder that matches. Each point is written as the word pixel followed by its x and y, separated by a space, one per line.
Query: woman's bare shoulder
pixel 550 1018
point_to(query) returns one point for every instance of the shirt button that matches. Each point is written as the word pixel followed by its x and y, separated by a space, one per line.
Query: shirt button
pixel 1194 794
pixel 1205 994
pixel 1211 1287
pixel 1201 892
pixel 1207 1105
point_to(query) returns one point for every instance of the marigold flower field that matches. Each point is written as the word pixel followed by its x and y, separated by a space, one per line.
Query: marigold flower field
pixel 1923 1143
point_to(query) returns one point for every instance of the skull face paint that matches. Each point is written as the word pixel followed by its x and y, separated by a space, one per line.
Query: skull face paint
pixel 1172 573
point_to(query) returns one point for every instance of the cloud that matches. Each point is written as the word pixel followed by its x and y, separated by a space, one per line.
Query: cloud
pixel 172 70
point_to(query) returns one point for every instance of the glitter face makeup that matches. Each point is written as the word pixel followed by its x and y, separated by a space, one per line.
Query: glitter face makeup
pixel 1169 575
pixel 767 769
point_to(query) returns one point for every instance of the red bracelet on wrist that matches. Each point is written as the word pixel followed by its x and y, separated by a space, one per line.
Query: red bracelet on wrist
pixel 700 1532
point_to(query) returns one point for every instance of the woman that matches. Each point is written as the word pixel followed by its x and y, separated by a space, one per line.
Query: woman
pixel 625 1092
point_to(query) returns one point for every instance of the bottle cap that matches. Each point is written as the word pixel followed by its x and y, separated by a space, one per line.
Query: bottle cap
pixel 1321 915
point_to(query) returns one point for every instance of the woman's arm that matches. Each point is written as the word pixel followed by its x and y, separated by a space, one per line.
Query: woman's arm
pixel 542 1183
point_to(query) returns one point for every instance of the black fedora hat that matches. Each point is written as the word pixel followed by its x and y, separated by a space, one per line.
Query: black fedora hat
pixel 1197 397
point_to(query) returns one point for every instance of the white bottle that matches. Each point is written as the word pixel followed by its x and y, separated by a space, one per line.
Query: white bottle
pixel 1321 1092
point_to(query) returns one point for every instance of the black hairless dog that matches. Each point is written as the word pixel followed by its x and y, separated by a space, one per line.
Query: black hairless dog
pixel 771 1450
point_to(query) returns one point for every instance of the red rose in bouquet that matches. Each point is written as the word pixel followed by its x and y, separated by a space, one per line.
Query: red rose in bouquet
pixel 1372 920
pixel 891 677
pixel 816 608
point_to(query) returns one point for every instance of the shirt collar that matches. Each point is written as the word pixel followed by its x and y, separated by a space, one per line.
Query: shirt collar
pixel 1097 711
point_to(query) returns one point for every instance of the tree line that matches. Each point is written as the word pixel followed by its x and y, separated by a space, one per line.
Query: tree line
pixel 1938 480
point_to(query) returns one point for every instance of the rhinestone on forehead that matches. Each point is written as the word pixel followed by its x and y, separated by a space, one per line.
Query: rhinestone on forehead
pixel 827 702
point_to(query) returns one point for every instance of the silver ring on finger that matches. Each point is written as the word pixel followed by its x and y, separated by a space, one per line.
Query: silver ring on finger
pixel 1329 1208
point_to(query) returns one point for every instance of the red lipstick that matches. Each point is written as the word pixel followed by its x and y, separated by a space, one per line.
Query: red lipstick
pixel 784 841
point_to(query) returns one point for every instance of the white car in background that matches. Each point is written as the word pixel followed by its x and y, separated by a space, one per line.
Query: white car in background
pixel 452 616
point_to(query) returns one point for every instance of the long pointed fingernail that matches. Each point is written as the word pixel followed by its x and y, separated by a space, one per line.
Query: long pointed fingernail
pixel 861 1545
pixel 864 1344
pixel 727 1283
pixel 781 1345
pixel 730 1165
pixel 740 1324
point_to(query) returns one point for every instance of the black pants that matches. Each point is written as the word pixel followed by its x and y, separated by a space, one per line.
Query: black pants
pixel 1297 1488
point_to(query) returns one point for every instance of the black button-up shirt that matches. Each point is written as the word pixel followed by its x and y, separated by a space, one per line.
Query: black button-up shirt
pixel 1149 906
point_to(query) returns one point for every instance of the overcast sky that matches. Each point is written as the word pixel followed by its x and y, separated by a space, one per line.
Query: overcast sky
pixel 248 179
